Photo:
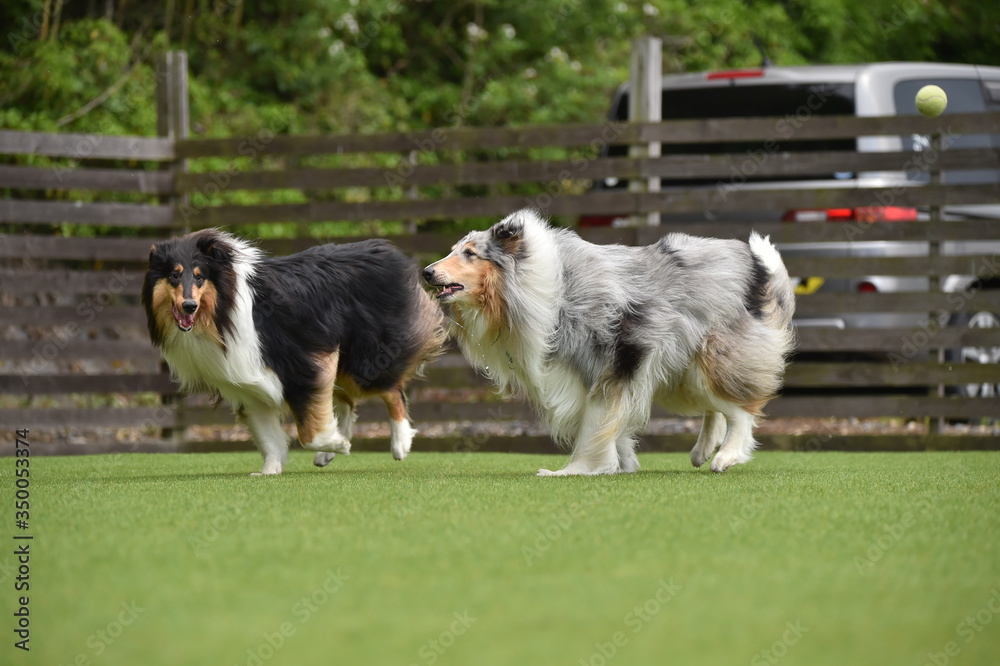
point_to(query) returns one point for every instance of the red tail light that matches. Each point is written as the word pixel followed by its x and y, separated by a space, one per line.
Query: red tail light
pixel 867 287
pixel 886 214
pixel 735 74
pixel 597 220
pixel 861 214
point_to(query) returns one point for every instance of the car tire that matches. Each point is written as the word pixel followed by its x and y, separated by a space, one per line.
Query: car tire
pixel 975 354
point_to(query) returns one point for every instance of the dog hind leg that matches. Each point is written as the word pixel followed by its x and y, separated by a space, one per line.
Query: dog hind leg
pixel 739 444
pixel 402 431
pixel 318 426
pixel 265 427
pixel 713 432
pixel 343 410
pixel 628 463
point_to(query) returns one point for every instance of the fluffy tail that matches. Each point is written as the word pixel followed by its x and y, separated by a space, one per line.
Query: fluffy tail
pixel 780 305
pixel 428 331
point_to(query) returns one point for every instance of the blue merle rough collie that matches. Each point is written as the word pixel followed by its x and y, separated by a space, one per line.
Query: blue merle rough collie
pixel 593 335
pixel 310 334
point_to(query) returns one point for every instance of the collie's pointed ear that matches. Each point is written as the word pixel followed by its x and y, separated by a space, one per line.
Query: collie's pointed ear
pixel 153 250
pixel 215 245
pixel 507 230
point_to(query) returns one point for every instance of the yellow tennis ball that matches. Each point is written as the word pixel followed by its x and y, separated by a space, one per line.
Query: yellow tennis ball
pixel 931 101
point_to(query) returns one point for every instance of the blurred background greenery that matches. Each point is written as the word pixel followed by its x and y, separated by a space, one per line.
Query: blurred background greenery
pixel 350 66
pixel 345 66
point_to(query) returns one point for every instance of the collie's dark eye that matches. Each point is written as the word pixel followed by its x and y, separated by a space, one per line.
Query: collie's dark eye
pixel 175 276
pixel 198 280
pixel 469 253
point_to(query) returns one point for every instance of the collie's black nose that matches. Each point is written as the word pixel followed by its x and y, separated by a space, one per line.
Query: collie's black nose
pixel 428 274
pixel 189 306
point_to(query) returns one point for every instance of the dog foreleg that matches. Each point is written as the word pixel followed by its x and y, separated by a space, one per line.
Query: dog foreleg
pixel 595 451
pixel 345 415
pixel 713 432
pixel 265 427
pixel 402 431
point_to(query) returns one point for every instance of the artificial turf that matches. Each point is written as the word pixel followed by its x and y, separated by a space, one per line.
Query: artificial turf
pixel 795 558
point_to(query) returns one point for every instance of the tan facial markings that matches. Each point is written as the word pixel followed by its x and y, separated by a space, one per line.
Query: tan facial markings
pixel 470 272
pixel 481 279
pixel 162 298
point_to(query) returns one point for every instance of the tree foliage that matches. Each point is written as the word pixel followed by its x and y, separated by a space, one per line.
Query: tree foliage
pixel 345 65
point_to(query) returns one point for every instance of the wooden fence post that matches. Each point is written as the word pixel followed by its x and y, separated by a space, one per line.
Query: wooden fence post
pixel 934 282
pixel 645 105
pixel 172 121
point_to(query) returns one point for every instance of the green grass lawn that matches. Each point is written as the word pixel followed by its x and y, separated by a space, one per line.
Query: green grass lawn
pixel 796 558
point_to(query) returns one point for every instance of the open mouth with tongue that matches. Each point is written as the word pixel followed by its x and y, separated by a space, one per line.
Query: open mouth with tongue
pixel 185 321
pixel 449 290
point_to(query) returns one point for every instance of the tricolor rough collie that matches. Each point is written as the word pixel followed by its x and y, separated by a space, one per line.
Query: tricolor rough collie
pixel 593 335
pixel 310 333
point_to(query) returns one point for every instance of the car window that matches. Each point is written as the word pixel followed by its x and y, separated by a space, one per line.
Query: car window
pixel 794 104
pixel 964 96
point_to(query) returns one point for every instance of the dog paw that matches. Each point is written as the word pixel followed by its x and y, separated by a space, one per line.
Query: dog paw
pixel 628 465
pixel 577 470
pixel 402 439
pixel 699 457
pixel 271 468
pixel 722 462
pixel 329 441
pixel 323 458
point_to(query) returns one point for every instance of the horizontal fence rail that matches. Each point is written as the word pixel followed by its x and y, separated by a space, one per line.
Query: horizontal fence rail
pixel 723 167
pixel 610 132
pixel 86 146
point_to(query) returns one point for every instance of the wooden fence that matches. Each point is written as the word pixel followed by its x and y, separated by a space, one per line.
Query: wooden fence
pixel 74 358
